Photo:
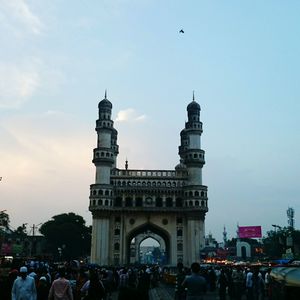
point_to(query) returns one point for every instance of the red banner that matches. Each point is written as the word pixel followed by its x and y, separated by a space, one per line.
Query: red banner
pixel 249 232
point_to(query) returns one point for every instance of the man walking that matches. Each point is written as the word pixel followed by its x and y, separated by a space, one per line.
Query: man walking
pixel 61 288
pixel 195 283
pixel 23 287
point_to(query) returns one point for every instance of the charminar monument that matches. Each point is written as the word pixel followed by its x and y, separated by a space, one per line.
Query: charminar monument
pixel 129 206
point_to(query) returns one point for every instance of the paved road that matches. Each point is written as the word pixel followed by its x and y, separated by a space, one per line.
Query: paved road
pixel 166 292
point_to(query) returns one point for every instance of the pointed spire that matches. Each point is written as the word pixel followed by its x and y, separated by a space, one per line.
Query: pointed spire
pixel 193 95
pixel 126 164
pixel 105 95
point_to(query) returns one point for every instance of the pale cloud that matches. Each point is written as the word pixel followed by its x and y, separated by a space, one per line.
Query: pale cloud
pixel 129 115
pixel 17 83
pixel 46 160
pixel 53 133
pixel 18 16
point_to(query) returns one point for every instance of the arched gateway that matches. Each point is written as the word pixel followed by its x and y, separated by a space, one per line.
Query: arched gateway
pixel 130 205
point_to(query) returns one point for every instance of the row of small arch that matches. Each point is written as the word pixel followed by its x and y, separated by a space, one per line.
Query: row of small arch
pixel 104 117
pixel 145 173
pixel 148 183
pixel 110 193
pixel 195 155
pixel 101 123
pixel 193 125
pixel 139 203
pixel 103 154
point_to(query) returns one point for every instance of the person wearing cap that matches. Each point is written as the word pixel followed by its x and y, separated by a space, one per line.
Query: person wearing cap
pixel 42 289
pixel 23 287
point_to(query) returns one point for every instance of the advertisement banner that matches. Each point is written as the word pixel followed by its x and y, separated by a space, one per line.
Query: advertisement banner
pixel 249 232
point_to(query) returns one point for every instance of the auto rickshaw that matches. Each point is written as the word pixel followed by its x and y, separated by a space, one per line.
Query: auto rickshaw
pixel 285 283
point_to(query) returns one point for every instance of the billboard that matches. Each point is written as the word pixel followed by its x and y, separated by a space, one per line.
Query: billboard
pixel 249 232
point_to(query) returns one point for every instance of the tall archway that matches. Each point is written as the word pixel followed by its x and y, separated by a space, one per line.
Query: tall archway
pixel 144 231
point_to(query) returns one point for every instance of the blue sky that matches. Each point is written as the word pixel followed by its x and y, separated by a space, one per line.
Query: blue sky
pixel 241 58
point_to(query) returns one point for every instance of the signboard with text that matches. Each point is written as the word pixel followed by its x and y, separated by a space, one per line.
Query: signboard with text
pixel 249 232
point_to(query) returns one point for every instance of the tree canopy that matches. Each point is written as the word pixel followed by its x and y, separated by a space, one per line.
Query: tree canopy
pixel 67 236
pixel 278 241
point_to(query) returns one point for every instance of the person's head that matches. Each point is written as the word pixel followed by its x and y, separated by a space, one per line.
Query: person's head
pixel 180 266
pixel 23 272
pixel 13 273
pixel 42 281
pixel 61 272
pixel 195 267
pixel 93 275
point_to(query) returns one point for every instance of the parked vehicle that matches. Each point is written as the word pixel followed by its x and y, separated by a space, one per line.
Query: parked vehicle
pixel 285 283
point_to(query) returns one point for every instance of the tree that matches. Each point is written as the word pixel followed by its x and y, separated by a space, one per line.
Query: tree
pixel 276 242
pixel 67 236
pixel 4 219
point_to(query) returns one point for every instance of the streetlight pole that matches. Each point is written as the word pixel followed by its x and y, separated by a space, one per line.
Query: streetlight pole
pixel 34 227
pixel 276 226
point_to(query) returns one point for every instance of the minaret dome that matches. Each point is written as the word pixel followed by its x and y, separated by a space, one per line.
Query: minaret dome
pixel 104 104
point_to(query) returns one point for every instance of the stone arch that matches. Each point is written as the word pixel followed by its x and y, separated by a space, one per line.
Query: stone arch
pixel 139 239
pixel 149 228
pixel 243 249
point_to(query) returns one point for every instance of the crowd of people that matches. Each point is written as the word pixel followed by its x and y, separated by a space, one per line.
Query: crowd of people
pixel 234 283
pixel 41 281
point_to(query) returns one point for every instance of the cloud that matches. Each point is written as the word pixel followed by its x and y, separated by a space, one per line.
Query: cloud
pixel 18 83
pixel 129 115
pixel 46 161
pixel 47 140
pixel 18 16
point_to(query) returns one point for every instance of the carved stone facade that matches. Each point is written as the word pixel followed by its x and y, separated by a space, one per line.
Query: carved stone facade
pixel 129 206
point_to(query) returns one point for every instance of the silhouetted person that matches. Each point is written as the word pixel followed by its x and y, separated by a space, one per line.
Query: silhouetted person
pixel 195 283
pixel 223 283
pixel 23 287
pixel 180 293
pixel 61 288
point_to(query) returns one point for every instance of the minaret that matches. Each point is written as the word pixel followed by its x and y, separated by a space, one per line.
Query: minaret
pixel 225 236
pixel 105 155
pixel 101 196
pixel 190 149
pixel 192 158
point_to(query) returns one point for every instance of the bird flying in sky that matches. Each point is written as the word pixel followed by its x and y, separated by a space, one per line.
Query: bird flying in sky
pixel 181 31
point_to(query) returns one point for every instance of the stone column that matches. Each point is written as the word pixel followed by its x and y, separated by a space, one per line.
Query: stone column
pixel 100 242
